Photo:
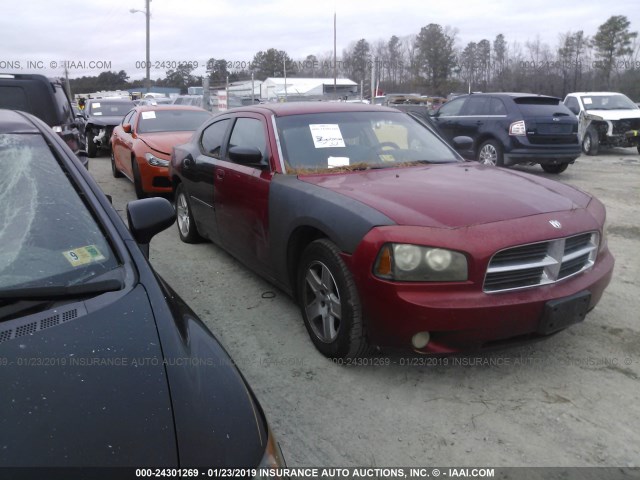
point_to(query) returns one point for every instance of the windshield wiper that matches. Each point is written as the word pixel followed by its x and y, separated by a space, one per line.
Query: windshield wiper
pixel 60 292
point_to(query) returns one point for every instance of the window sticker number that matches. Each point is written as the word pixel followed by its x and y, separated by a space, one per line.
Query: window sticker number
pixel 83 255
pixel 326 135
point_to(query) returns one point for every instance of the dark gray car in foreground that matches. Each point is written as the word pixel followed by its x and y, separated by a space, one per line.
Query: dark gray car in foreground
pixel 101 363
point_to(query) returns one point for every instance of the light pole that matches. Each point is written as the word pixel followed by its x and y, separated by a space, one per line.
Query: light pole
pixel 147 12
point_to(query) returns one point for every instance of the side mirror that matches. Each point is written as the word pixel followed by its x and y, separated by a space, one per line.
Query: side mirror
pixel 249 156
pixel 126 127
pixel 462 143
pixel 148 217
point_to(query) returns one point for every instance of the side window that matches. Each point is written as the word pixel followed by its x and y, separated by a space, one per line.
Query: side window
pixel 476 106
pixel 451 108
pixel 213 136
pixel 249 132
pixel 572 104
pixel 497 107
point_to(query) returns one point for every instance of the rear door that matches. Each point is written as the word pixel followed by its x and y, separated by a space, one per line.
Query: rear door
pixel 198 175
pixel 241 195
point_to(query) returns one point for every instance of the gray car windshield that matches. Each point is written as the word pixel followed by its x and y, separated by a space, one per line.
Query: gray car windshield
pixel 343 141
pixel 48 236
pixel 172 120
pixel 115 109
pixel 608 102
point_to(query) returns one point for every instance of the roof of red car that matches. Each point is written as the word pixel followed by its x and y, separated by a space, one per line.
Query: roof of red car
pixel 146 108
pixel 301 108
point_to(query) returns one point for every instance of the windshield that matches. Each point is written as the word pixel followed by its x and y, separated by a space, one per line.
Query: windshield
pixel 357 140
pixel 171 120
pixel 48 236
pixel 112 109
pixel 608 102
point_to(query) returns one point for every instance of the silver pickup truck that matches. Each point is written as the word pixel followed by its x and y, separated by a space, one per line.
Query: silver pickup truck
pixel 605 118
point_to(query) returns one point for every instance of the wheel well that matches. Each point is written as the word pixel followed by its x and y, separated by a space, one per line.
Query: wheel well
pixel 483 139
pixel 298 241
pixel 175 181
pixel 601 129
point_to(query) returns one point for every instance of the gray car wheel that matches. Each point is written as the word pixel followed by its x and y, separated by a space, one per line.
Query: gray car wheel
pixel 186 224
pixel 329 302
pixel 490 153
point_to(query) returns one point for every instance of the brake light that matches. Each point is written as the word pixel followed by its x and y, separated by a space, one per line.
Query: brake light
pixel 517 128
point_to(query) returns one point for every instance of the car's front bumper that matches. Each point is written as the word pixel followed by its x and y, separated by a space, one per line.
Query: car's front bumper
pixel 460 316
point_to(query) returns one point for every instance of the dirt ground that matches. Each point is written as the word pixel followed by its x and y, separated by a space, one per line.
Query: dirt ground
pixel 571 400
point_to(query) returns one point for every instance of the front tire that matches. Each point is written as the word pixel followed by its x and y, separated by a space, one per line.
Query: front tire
pixel 590 142
pixel 554 168
pixel 92 148
pixel 114 169
pixel 186 224
pixel 137 179
pixel 329 302
pixel 490 153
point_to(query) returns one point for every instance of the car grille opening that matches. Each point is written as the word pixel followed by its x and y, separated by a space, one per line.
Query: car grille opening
pixel 540 263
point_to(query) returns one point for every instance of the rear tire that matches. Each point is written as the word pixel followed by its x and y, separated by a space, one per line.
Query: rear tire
pixel 554 168
pixel 329 302
pixel 186 223
pixel 137 180
pixel 590 142
pixel 490 153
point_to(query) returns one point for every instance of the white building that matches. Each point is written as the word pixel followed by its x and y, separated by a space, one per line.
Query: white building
pixel 275 89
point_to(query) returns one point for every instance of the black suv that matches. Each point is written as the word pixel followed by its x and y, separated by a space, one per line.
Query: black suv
pixel 102 116
pixel 512 128
pixel 46 99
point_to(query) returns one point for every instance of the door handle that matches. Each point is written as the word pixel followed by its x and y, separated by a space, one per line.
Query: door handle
pixel 219 174
pixel 479 122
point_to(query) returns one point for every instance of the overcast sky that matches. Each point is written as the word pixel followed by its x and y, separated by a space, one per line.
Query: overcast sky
pixel 106 33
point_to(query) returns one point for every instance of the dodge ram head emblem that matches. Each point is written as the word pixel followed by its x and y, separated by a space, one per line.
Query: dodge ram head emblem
pixel 555 223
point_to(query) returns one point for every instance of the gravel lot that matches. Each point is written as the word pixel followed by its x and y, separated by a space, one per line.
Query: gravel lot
pixel 571 400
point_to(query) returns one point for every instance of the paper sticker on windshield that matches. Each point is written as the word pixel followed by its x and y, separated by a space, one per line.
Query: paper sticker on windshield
pixel 96 105
pixel 338 162
pixel 97 113
pixel 326 135
pixel 147 115
pixel 83 255
pixel 587 101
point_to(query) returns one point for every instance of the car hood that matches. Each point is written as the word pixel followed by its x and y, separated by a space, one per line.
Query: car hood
pixel 105 121
pixel 613 114
pixel 86 391
pixel 453 195
pixel 164 141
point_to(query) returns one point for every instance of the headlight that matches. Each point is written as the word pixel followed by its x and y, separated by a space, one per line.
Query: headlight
pixel 272 458
pixel 155 161
pixel 414 263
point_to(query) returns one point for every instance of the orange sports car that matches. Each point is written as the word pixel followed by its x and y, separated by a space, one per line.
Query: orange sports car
pixel 141 145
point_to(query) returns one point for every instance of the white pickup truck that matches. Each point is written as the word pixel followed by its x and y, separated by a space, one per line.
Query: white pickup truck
pixel 605 118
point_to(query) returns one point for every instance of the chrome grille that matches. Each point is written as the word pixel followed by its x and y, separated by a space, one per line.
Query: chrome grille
pixel 540 263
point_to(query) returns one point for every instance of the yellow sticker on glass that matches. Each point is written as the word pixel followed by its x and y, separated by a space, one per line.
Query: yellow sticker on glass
pixel 83 255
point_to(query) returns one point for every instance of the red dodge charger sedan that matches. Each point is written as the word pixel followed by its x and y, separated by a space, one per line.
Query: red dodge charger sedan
pixel 384 235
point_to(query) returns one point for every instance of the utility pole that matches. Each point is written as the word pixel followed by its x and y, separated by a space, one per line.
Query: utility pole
pixel 335 58
pixel 284 67
pixel 148 79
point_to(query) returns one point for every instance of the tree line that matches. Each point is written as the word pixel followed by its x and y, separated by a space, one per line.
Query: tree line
pixel 432 62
